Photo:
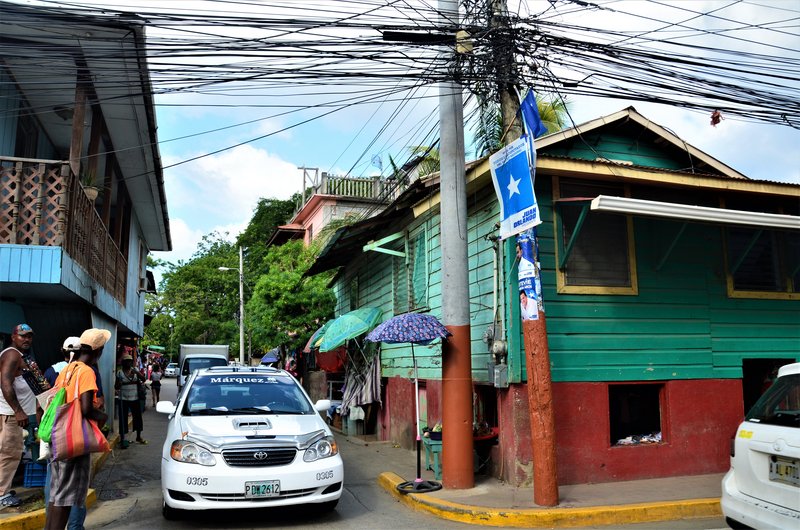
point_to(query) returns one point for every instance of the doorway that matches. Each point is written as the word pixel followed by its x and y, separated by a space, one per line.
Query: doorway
pixel 757 376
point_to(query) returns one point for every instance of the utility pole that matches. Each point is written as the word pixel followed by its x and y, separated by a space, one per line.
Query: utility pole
pixel 241 302
pixel 306 178
pixel 457 459
pixel 534 332
pixel 241 307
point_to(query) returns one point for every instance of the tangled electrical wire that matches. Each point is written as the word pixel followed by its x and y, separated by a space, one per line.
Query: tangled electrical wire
pixel 343 53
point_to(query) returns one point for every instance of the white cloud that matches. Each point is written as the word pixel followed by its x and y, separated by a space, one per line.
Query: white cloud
pixel 219 193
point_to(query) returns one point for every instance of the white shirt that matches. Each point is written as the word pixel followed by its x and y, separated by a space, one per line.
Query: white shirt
pixel 25 396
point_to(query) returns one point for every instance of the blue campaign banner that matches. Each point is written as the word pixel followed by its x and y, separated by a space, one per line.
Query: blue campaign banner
pixel 512 181
pixel 526 276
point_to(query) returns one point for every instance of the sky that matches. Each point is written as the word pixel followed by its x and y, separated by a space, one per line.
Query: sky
pixel 218 193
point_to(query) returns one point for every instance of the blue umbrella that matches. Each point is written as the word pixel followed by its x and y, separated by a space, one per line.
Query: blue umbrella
pixel 414 328
pixel 271 356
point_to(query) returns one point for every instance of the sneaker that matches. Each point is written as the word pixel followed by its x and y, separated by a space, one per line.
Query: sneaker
pixel 143 442
pixel 10 499
pixel 124 444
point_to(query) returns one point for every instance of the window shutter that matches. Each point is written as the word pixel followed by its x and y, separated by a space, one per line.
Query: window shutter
pixel 599 256
pixel 400 285
pixel 419 282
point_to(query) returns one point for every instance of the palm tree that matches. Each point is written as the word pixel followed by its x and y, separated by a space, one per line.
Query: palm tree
pixel 489 128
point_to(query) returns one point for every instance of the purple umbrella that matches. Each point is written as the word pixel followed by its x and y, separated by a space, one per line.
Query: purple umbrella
pixel 414 328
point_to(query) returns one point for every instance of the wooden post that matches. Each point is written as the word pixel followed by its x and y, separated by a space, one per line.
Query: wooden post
pixel 540 394
pixel 540 401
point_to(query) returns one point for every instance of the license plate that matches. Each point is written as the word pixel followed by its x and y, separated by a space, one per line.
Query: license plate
pixel 784 470
pixel 264 488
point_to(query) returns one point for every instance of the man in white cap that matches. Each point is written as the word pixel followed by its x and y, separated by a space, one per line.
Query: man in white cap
pixel 69 480
pixel 71 345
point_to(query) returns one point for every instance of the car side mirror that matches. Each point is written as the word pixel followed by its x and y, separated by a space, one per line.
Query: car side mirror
pixel 165 407
pixel 322 405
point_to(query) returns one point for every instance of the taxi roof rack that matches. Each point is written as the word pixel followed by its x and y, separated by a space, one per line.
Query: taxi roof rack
pixel 259 369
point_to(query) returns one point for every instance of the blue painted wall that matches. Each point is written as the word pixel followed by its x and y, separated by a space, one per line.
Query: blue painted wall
pixel 30 264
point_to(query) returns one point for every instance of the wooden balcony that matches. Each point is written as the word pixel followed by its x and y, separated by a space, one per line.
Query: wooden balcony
pixel 42 203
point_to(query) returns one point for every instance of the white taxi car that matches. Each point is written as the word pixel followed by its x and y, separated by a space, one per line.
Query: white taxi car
pixel 171 370
pixel 762 488
pixel 247 437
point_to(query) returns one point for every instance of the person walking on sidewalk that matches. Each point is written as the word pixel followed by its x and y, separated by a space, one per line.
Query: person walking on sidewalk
pixel 155 383
pixel 17 403
pixel 127 384
pixel 69 479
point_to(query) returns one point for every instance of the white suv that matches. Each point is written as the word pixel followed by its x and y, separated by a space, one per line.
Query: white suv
pixel 762 488
pixel 247 437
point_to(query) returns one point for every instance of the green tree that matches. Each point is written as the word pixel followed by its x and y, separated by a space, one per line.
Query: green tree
pixel 268 215
pixel 286 307
pixel 202 301
pixel 489 131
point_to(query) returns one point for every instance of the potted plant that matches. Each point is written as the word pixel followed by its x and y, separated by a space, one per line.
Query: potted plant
pixel 89 187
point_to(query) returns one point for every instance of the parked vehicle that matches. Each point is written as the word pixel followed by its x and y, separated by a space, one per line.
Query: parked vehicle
pixel 198 361
pixel 204 355
pixel 762 488
pixel 247 437
pixel 218 349
pixel 171 370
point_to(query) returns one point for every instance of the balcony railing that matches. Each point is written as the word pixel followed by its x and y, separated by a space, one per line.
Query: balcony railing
pixel 42 203
pixel 375 188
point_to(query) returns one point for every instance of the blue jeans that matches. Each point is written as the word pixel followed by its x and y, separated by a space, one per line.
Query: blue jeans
pixel 77 514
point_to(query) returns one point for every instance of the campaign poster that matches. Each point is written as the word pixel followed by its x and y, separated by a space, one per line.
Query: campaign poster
pixel 513 184
pixel 529 286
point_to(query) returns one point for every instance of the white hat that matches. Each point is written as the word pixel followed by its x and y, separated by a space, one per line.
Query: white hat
pixel 96 338
pixel 72 344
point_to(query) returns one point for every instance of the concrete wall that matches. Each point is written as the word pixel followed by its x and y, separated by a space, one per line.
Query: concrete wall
pixel 699 417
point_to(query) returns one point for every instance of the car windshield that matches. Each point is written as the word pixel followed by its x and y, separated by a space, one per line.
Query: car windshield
pixel 245 394
pixel 780 404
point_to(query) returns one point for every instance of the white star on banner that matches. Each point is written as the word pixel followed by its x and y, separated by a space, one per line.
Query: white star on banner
pixel 513 186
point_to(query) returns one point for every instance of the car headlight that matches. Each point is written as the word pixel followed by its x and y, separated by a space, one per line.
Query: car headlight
pixel 321 449
pixel 191 453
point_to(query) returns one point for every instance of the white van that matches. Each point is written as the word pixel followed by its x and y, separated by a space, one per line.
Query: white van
pixel 762 488
pixel 198 361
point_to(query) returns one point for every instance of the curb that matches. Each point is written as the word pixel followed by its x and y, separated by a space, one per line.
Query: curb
pixel 551 517
pixel 35 520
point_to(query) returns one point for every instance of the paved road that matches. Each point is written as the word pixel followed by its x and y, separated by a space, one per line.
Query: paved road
pixel 129 493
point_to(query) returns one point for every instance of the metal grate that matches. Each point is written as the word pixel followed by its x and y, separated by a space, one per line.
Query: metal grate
pixel 259 456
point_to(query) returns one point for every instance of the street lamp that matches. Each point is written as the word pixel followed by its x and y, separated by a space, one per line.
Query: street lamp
pixel 241 304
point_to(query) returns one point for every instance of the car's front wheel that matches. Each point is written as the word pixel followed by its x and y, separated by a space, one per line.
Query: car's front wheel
pixel 169 513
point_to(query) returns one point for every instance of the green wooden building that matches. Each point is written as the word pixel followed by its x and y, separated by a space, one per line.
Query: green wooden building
pixel 671 285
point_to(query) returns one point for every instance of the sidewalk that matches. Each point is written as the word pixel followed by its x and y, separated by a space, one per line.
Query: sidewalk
pixel 495 503
pixel 29 515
